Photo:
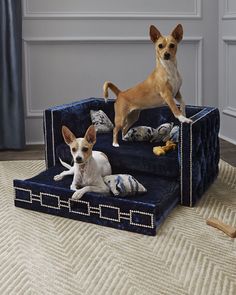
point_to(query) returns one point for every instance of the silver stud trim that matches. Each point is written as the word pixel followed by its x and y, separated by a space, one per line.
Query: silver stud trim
pixel 90 209
pixel 110 207
pixel 53 140
pixel 26 190
pixel 78 212
pixel 190 157
pixel 45 138
pixel 141 213
pixel 52 196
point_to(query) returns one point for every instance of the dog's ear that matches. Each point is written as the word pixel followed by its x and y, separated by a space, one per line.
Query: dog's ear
pixel 154 33
pixel 177 33
pixel 90 135
pixel 68 136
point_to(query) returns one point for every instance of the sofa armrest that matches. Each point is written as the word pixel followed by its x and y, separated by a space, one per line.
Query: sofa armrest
pixel 198 154
pixel 76 116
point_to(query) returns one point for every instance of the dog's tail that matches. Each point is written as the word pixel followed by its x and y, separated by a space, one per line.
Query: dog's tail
pixel 65 164
pixel 113 88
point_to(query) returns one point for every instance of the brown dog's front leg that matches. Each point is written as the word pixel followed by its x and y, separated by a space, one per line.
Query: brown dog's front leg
pixel 179 98
pixel 167 96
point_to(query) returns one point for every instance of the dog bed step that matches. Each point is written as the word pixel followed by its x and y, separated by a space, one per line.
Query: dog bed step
pixel 140 213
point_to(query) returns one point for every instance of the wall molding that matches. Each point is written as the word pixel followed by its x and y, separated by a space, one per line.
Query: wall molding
pixel 227 139
pixel 34 113
pixel 27 14
pixel 227 109
pixel 41 142
pixel 227 13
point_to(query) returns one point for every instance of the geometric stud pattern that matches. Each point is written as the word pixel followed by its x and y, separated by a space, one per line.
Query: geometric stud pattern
pixel 80 207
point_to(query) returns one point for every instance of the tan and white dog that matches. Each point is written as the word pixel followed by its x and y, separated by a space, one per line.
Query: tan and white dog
pixel 89 166
pixel 160 87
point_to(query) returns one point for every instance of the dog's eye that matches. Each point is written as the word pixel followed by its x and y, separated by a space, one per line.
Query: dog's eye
pixel 84 149
pixel 160 45
pixel 73 149
pixel 172 45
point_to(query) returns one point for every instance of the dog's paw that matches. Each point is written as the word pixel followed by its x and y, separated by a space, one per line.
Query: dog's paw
pixel 58 177
pixel 73 187
pixel 183 119
pixel 116 144
pixel 77 194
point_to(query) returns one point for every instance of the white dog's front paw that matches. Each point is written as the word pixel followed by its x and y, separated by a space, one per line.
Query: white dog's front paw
pixel 183 119
pixel 73 187
pixel 78 194
pixel 58 177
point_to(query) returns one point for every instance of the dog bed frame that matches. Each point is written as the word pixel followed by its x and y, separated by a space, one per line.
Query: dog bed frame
pixel 180 177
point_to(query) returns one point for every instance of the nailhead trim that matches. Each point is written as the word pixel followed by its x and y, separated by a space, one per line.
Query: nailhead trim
pixel 53 143
pixel 190 157
pixel 191 166
pixel 49 206
pixel 141 213
pixel 181 163
pixel 78 212
pixel 45 138
pixel 25 201
pixel 110 207
pixel 90 209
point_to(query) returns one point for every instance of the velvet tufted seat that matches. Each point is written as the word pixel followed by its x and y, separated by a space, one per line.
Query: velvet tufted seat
pixel 182 176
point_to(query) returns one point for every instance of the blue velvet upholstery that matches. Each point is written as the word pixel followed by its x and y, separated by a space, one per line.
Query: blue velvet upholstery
pixel 180 176
pixel 76 117
pixel 141 213
pixel 199 154
pixel 191 165
pixel 136 156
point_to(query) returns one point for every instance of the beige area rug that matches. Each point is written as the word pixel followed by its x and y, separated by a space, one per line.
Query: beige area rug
pixel 43 254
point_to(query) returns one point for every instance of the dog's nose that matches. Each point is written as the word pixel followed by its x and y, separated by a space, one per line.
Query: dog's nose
pixel 166 55
pixel 78 159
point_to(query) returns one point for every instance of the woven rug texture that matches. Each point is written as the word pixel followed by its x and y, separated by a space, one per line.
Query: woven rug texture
pixel 43 254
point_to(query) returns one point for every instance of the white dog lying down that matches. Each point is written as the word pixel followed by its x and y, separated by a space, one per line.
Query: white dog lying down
pixel 89 166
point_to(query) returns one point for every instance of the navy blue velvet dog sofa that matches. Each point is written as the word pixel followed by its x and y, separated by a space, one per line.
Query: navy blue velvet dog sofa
pixel 180 176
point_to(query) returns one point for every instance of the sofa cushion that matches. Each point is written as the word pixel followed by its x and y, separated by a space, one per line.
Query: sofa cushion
pixel 136 156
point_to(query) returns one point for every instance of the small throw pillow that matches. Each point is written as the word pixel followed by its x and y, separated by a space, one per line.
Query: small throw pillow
pixel 162 133
pixel 101 122
pixel 124 185
pixel 140 133
pixel 174 134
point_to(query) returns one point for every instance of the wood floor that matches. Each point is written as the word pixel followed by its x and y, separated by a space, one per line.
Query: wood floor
pixel 228 152
pixel 36 152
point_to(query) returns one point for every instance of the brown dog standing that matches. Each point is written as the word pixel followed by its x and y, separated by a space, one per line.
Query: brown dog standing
pixel 160 87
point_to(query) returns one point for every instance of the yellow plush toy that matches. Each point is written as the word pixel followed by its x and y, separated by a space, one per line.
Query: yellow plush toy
pixel 161 150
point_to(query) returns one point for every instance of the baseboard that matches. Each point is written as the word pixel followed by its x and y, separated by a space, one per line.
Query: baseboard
pixel 227 139
pixel 34 142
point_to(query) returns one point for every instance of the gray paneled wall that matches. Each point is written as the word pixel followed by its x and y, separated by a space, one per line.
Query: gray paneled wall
pixel 71 47
pixel 227 69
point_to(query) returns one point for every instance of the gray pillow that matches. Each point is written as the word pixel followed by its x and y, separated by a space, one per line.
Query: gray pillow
pixel 162 133
pixel 140 133
pixel 124 185
pixel 174 134
pixel 101 121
